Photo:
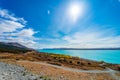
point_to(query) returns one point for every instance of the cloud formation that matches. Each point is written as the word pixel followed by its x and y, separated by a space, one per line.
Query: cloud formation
pixel 85 39
pixel 13 29
pixel 93 39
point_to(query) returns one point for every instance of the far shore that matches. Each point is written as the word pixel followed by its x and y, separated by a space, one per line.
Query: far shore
pixel 81 49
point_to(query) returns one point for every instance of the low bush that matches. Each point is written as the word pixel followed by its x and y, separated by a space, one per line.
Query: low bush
pixel 78 62
pixel 89 63
pixel 118 68
pixel 70 62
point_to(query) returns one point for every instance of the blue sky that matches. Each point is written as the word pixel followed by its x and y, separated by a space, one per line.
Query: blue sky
pixel 61 23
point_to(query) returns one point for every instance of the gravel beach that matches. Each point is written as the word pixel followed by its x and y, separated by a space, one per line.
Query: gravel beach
pixel 14 72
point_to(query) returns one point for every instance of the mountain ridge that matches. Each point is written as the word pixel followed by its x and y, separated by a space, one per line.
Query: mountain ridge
pixel 13 47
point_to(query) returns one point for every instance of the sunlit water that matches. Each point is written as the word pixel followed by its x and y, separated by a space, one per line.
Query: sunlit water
pixel 110 56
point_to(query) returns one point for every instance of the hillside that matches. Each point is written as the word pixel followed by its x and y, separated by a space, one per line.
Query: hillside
pixel 13 47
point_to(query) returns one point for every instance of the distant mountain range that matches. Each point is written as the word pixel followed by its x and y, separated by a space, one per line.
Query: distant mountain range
pixel 82 48
pixel 13 47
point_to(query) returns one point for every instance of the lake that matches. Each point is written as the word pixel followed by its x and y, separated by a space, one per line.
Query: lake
pixel 110 56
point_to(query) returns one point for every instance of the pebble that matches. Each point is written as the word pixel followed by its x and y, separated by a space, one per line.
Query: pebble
pixel 14 72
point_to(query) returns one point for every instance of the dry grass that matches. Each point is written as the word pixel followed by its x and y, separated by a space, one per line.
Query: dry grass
pixel 53 72
pixel 60 74
pixel 57 59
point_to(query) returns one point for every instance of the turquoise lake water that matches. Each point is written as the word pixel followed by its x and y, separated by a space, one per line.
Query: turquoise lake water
pixel 110 56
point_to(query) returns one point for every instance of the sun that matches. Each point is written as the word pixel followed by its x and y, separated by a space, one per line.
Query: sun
pixel 75 11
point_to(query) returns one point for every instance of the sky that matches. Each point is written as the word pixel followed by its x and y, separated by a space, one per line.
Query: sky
pixel 61 23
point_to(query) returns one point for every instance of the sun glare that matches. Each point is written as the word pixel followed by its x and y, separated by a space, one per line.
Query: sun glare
pixel 75 11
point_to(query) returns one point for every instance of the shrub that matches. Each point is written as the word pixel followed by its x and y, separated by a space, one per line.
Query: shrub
pixel 49 59
pixel 76 58
pixel 102 62
pixel 65 60
pixel 70 61
pixel 78 62
pixel 60 60
pixel 60 56
pixel 54 57
pixel 17 59
pixel 118 68
pixel 89 63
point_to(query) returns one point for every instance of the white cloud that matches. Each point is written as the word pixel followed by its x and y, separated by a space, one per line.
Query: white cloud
pixel 86 39
pixel 92 40
pixel 7 15
pixel 9 25
pixel 13 29
pixel 26 33
pixel 9 22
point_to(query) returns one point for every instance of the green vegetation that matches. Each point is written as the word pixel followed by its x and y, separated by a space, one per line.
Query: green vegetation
pixel 9 50
pixel 60 56
pixel 45 78
pixel 102 61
